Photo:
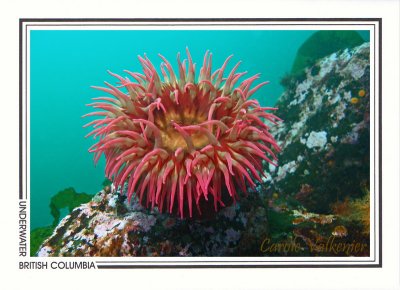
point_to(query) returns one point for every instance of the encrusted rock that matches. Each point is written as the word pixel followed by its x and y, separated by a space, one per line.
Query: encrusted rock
pixel 109 226
pixel 325 137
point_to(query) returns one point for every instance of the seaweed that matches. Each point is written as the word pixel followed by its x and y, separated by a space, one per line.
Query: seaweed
pixel 38 236
pixel 106 182
pixel 321 44
pixel 67 198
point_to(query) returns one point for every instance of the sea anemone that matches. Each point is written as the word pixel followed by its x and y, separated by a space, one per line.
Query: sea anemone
pixel 177 142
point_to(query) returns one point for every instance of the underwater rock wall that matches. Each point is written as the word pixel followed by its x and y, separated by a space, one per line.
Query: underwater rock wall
pixel 325 135
pixel 324 161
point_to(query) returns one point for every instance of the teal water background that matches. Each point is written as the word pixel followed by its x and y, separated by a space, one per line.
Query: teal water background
pixel 65 63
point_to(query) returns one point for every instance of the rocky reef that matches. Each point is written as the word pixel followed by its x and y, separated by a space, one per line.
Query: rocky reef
pixel 64 200
pixel 109 226
pixel 326 136
pixel 316 203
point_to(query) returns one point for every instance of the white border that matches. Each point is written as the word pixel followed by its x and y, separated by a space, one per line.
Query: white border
pixel 386 277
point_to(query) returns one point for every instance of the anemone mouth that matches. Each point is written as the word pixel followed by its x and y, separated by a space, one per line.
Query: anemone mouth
pixel 179 125
pixel 172 140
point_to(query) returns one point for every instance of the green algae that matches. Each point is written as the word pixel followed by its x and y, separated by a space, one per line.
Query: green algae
pixel 38 236
pixel 67 198
pixel 321 44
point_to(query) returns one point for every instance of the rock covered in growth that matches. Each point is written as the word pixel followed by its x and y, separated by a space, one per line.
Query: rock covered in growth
pixel 109 226
pixel 325 134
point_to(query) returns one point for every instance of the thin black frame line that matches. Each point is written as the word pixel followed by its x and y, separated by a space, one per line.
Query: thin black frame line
pixel 266 20
pixel 195 19
pixel 374 78
pixel 224 261
pixel 102 267
pixel 202 24
pixel 380 99
pixel 20 112
pixel 26 113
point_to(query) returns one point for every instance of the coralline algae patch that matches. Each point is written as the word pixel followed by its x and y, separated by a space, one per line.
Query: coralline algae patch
pixel 325 138
pixel 316 139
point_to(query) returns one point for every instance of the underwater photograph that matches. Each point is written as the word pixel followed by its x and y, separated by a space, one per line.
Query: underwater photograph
pixel 200 143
